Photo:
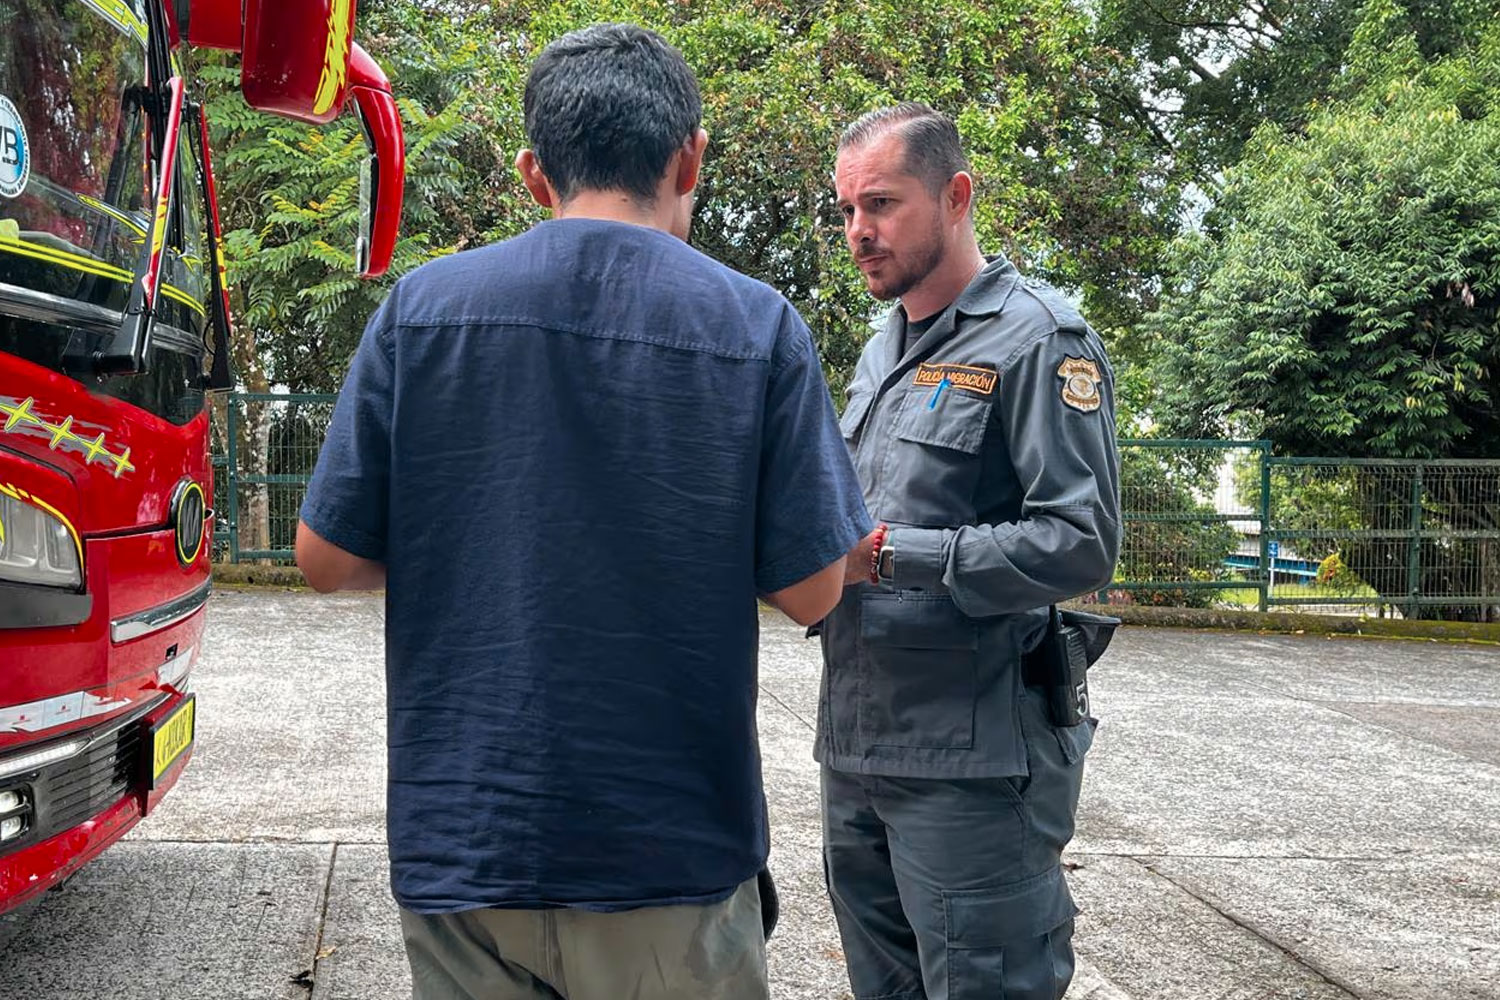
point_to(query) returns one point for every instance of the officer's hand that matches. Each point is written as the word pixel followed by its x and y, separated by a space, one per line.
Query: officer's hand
pixel 857 568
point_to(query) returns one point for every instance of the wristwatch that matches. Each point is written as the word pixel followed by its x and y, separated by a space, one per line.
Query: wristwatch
pixel 885 566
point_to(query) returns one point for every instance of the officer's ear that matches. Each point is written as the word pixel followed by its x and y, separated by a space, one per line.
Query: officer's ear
pixel 958 197
pixel 530 169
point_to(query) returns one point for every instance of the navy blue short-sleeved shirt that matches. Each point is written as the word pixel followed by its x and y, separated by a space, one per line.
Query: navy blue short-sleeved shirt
pixel 581 454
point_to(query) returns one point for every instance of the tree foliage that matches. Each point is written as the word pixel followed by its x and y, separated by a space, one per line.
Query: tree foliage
pixel 289 196
pixel 1343 299
pixel 1207 73
pixel 1061 172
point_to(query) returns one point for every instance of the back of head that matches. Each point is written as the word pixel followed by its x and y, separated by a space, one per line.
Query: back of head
pixel 934 151
pixel 606 107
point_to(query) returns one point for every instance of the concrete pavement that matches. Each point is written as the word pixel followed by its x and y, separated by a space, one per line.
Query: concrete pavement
pixel 1264 817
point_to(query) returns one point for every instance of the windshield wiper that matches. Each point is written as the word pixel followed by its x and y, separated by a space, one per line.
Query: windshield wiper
pixel 127 355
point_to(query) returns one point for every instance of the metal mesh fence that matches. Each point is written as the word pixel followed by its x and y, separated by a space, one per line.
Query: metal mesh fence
pixel 1417 538
pixel 1193 514
pixel 1207 523
pixel 270 445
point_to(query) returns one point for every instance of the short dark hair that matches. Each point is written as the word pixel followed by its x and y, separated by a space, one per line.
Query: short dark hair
pixel 934 152
pixel 606 107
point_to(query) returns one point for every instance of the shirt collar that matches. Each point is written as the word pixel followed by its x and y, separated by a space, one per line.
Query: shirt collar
pixel 990 288
pixel 985 295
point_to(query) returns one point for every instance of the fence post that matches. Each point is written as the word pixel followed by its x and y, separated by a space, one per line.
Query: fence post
pixel 1414 546
pixel 232 492
pixel 1265 525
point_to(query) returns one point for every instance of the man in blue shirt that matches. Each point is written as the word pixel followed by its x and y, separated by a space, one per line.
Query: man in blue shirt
pixel 574 459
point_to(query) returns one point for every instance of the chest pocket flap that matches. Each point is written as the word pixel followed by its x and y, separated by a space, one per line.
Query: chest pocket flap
pixel 956 419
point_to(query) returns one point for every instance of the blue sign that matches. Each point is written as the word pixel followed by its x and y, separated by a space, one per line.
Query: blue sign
pixel 1273 549
pixel 15 151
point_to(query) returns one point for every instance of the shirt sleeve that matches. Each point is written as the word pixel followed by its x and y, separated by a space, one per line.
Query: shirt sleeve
pixel 1057 414
pixel 809 507
pixel 348 498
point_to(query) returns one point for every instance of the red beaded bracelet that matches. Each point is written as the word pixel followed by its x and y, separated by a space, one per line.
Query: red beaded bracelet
pixel 876 544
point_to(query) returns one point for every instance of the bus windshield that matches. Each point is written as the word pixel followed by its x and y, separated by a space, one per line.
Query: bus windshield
pixel 75 196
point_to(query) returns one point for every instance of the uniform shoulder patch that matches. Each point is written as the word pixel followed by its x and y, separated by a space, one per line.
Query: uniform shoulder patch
pixel 1080 383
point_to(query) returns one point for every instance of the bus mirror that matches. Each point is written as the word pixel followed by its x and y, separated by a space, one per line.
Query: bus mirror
pixel 295 57
pixel 383 175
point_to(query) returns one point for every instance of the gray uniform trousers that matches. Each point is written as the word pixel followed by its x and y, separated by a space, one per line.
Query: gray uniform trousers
pixel 952 889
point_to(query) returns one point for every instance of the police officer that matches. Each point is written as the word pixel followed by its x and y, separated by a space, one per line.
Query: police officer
pixel 981 421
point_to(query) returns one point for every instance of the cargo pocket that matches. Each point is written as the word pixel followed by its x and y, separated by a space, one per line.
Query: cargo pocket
pixel 921 654
pixel 1012 942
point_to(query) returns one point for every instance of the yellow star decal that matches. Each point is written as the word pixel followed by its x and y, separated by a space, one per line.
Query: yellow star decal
pixel 93 449
pixel 62 432
pixel 18 416
pixel 18 413
pixel 122 463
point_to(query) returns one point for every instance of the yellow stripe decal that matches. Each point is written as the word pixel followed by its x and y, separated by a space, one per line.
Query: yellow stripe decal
pixel 88 265
pixel 335 57
pixel 113 213
pixel 178 295
pixel 159 227
pixel 121 15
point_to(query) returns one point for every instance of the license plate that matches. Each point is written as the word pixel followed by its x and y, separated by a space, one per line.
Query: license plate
pixel 170 738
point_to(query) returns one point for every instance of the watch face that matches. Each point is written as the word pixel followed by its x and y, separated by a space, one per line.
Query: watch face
pixel 887 562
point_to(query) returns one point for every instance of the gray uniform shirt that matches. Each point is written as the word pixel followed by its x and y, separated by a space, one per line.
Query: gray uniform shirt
pixel 989 448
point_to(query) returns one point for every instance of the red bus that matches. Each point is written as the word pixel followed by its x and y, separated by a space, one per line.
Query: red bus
pixel 114 327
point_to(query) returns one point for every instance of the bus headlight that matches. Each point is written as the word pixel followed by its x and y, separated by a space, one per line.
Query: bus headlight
pixel 35 546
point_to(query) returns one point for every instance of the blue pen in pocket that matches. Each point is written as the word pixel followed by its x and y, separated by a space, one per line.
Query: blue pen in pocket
pixel 937 393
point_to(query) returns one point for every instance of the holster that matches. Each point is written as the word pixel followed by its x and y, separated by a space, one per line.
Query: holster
pixel 1059 665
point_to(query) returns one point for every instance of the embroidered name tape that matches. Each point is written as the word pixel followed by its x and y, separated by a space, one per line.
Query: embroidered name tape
pixel 970 378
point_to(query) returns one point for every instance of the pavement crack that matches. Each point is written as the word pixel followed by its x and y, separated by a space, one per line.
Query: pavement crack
pixel 794 713
pixel 317 959
pixel 1342 708
pixel 1146 856
pixel 1311 966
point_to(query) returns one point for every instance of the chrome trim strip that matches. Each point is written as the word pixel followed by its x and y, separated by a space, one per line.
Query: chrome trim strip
pixel 85 740
pixel 59 710
pixel 44 307
pixel 160 617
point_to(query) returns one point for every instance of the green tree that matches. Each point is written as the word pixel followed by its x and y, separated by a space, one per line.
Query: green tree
pixel 1060 171
pixel 1207 73
pixel 1342 298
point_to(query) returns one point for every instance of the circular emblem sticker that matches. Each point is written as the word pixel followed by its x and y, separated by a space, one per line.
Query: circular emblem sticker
pixel 15 151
